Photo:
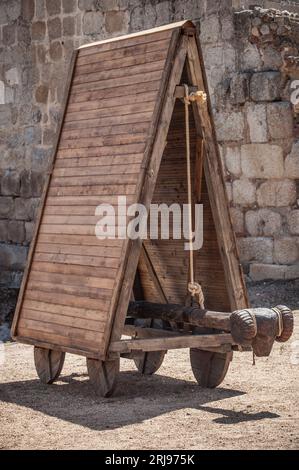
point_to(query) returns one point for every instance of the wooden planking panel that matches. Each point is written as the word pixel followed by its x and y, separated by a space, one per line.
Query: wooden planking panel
pixel 71 269
pixel 168 257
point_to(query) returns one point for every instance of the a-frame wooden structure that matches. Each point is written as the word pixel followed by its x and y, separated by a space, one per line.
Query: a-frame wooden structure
pixel 122 133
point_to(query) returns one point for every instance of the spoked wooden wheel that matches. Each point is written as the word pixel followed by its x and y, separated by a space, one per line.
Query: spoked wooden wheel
pixel 48 364
pixel 103 375
pixel 149 362
pixel 209 368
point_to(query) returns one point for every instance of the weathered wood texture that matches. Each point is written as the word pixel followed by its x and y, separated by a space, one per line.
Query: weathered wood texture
pixel 111 113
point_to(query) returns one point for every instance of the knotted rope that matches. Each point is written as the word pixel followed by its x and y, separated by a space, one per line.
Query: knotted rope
pixel 194 288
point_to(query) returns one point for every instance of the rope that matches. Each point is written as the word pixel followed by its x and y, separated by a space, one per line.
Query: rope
pixel 280 320
pixel 193 287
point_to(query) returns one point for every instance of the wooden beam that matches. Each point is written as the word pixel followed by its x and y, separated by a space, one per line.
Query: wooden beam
pixel 175 342
pixel 180 91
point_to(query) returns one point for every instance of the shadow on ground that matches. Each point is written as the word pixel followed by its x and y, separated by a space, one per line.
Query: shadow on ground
pixel 137 398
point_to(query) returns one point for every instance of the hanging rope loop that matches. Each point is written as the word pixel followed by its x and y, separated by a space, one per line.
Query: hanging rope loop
pixel 193 287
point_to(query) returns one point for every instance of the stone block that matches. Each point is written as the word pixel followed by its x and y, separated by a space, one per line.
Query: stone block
pixel 280 120
pixel 229 126
pixel 256 249
pixel 23 34
pixel 239 88
pixel 237 220
pixel 13 9
pixel 55 50
pixel 263 272
pixel 262 161
pixel 69 6
pixel 9 34
pixel 10 183
pixel 285 250
pixel 32 184
pixel 244 192
pixel 233 160
pixel 86 5
pixel 227 27
pixel 250 57
pixel 292 162
pixel 12 76
pixel 292 272
pixel 13 257
pixel 29 231
pixel 263 222
pixel 16 231
pixel 116 22
pixel 93 22
pixel 293 222
pixel 228 188
pixel 163 12
pixel 27 9
pixel 257 122
pixel 26 209
pixel 38 30
pixel 210 29
pixel 3 231
pixel 265 86
pixel 41 93
pixel 53 7
pixel 54 28
pixel 68 26
pixel 276 193
pixel 272 58
pixel 6 207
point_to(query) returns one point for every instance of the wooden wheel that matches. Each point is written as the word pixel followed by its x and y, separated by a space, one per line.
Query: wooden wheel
pixel 149 362
pixel 103 375
pixel 209 368
pixel 48 364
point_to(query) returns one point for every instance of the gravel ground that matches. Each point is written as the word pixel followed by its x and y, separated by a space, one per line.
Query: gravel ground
pixel 256 407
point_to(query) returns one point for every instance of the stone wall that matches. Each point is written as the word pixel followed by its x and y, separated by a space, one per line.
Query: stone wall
pixel 250 57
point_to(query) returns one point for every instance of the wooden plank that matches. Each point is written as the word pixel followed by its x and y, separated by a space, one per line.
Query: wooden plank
pixel 102 295
pixel 120 81
pixel 132 108
pixel 105 151
pixel 110 121
pixel 118 91
pixel 100 180
pixel 113 162
pixel 73 240
pixel 137 128
pixel 14 328
pixel 122 71
pixel 53 329
pixel 127 56
pixel 63 320
pixel 109 255
pixel 48 267
pixel 175 342
pixel 103 190
pixel 72 279
pixel 58 342
pixel 63 310
pixel 69 300
pixel 132 40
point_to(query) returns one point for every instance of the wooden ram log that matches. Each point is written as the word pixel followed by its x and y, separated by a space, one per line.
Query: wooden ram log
pixel 244 325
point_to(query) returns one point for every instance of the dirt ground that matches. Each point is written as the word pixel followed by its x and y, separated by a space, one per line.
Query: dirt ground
pixel 256 407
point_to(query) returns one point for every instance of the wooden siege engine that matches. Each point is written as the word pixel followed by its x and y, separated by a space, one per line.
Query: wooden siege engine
pixel 123 133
